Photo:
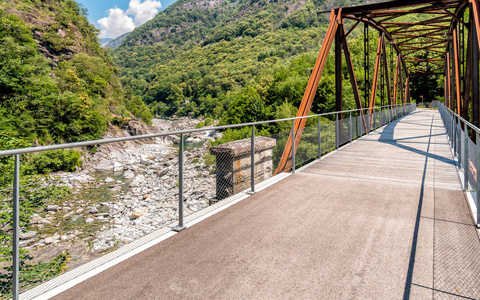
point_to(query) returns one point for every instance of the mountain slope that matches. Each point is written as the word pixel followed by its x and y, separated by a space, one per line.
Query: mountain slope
pixel 195 56
pixel 56 82
pixel 114 43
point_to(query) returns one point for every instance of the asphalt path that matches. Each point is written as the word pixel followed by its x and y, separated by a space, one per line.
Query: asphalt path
pixel 383 218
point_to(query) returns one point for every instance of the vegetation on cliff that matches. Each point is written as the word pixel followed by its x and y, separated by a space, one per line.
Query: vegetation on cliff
pixel 56 83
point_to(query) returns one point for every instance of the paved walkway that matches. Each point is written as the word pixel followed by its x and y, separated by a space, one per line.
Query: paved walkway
pixel 383 218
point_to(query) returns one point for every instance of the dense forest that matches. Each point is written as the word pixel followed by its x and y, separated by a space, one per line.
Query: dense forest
pixel 240 61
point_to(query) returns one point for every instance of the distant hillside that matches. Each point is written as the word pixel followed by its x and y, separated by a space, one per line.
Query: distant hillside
pixel 114 43
pixel 209 52
pixel 56 82
pixel 239 60
pixel 103 41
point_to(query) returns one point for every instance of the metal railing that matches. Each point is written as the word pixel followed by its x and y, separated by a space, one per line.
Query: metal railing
pixel 322 134
pixel 464 140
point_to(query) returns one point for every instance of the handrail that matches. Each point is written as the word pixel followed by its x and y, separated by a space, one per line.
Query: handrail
pixel 389 112
pixel 460 143
pixel 459 117
pixel 160 134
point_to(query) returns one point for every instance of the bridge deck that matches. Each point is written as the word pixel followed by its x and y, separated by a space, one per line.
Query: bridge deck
pixel 383 218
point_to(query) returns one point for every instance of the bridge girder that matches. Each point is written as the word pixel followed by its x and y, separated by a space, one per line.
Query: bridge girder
pixel 437 35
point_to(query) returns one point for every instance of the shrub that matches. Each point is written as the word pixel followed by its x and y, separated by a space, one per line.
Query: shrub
pixel 53 161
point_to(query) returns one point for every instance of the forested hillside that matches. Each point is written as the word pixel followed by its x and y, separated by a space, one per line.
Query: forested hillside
pixel 236 60
pixel 56 83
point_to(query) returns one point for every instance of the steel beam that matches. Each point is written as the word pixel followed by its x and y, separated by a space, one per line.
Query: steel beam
pixel 387 76
pixel 375 72
pixel 385 5
pixel 338 70
pixel 351 73
pixel 307 100
pixel 449 79
pixel 467 80
pixel 407 90
pixel 395 85
pixel 338 83
pixel 457 71
pixel 380 28
pixel 475 74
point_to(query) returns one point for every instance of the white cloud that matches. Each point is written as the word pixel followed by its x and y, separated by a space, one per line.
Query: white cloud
pixel 143 12
pixel 119 21
pixel 116 24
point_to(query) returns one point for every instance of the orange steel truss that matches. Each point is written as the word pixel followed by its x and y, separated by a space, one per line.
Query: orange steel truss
pixel 437 36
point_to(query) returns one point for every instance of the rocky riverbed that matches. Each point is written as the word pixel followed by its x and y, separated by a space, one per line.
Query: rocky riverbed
pixel 125 191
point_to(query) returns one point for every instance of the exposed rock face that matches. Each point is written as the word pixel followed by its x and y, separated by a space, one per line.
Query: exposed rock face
pixel 115 42
pixel 136 127
pixel 41 20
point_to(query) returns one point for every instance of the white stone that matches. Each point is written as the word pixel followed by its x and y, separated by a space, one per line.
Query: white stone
pixel 51 239
pixel 109 179
pixel 27 235
pixel 92 210
pixel 137 181
pixel 52 208
pixel 128 174
pixel 117 166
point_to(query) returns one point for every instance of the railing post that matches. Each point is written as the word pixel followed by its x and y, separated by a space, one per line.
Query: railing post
pixel 374 119
pixel 180 225
pixel 337 132
pixel 350 127
pixel 252 161
pixel 454 135
pixel 385 120
pixel 368 122
pixel 459 145
pixel 466 164
pixel 293 147
pixel 319 138
pixel 450 126
pixel 478 177
pixel 16 229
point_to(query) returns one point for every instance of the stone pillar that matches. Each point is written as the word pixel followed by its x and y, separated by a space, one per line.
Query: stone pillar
pixel 233 163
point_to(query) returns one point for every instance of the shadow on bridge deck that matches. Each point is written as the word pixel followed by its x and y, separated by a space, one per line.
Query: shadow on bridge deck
pixel 383 218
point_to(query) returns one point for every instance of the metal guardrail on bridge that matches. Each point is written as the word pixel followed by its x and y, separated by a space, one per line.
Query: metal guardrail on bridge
pixel 235 174
pixel 464 139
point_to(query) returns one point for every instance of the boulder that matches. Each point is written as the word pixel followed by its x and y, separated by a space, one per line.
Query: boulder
pixel 128 174
pixel 109 179
pixel 27 235
pixel 92 210
pixel 52 208
pixel 137 181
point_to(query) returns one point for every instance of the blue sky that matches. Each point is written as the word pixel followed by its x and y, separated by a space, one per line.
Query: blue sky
pixel 115 17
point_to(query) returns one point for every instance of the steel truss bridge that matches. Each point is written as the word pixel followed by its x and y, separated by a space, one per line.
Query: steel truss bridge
pixel 391 213
pixel 443 41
